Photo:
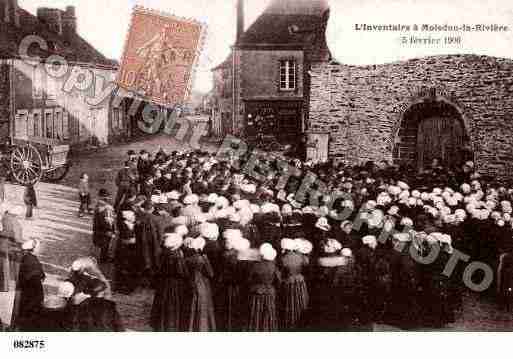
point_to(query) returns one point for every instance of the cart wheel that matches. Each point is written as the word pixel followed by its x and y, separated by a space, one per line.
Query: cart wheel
pixel 26 164
pixel 57 174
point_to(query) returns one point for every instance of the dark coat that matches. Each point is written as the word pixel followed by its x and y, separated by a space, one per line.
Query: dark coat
pixel 201 314
pixel 30 285
pixel 148 241
pixel 169 311
pixel 96 315
pixel 104 225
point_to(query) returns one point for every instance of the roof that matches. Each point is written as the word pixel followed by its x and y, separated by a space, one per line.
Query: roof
pixel 277 29
pixel 72 47
pixel 291 22
pixel 297 7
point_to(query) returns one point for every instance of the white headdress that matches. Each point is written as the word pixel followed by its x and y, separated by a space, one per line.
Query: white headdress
pixel 173 241
pixel 267 252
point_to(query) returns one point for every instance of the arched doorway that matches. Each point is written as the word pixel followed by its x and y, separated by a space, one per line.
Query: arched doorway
pixel 432 129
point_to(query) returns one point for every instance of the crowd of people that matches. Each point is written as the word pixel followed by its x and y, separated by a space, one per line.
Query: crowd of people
pixel 223 250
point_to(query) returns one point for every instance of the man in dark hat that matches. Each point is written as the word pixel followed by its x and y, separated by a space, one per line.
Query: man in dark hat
pixel 160 157
pixel 132 156
pixel 144 166
pixel 104 225
pixel 126 179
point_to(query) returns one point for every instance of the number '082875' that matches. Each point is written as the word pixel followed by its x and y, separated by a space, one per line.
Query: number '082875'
pixel 29 344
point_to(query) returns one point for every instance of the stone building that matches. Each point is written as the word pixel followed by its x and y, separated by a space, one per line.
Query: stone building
pixel 269 70
pixel 222 99
pixel 454 107
pixel 37 105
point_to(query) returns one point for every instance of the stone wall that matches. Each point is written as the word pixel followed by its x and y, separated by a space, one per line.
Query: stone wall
pixel 362 107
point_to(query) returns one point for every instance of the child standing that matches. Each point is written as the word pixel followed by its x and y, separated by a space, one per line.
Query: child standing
pixel 85 195
pixel 30 199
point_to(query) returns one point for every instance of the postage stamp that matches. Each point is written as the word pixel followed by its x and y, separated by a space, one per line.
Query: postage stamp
pixel 160 56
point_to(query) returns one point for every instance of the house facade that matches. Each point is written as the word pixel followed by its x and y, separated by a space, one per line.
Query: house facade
pixel 222 99
pixel 452 107
pixel 38 105
pixel 263 87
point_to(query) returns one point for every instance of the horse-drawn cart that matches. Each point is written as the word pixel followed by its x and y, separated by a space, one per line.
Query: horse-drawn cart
pixel 28 162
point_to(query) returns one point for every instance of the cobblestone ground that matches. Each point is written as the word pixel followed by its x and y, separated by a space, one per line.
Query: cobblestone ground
pixel 65 237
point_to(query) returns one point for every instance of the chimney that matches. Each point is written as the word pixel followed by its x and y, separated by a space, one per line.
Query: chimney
pixel 69 21
pixel 9 12
pixel 52 18
pixel 240 19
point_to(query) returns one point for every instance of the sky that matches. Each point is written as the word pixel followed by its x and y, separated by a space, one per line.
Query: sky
pixel 105 24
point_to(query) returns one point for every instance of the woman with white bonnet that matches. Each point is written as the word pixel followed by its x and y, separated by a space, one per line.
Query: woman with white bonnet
pixel 346 283
pixel 347 237
pixel 126 261
pixel 30 288
pixel 406 276
pixel 229 299
pixel 169 310
pixel 84 271
pixel 263 279
pixel 437 306
pixel 321 234
pixel 374 268
pixel 92 307
pixel 200 309
pixel 294 292
pixel 213 248
pixel 324 299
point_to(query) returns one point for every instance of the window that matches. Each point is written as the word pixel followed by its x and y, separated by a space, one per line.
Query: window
pixel 287 75
pixel 116 119
pixel 65 126
pixel 30 125
pixel 37 124
pixel 49 124
pixel 57 125
pixel 38 83
pixel 21 124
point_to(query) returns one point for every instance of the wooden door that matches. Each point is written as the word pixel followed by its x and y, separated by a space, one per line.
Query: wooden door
pixel 440 137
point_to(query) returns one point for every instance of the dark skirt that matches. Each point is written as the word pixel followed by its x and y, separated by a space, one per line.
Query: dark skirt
pixel 201 313
pixel 167 313
pixel 294 302
pixel 262 311
pixel 126 276
pixel 229 308
pixel 96 315
pixel 30 306
pixel 55 320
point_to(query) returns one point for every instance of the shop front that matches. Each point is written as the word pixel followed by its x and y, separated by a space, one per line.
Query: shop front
pixel 282 120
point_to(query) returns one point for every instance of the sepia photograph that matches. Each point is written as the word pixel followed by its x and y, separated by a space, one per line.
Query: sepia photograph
pixel 255 166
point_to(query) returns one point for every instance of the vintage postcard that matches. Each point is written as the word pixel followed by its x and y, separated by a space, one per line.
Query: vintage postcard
pixel 329 166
